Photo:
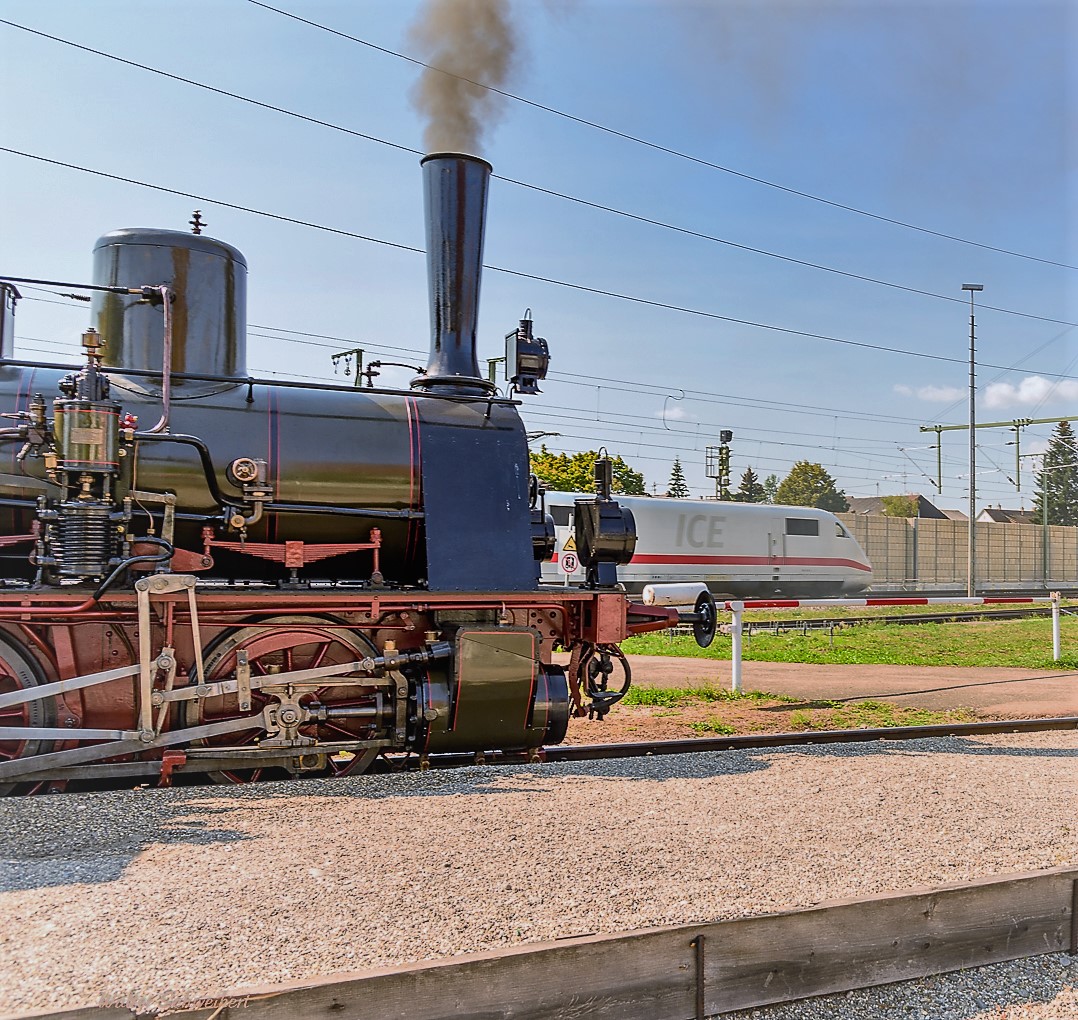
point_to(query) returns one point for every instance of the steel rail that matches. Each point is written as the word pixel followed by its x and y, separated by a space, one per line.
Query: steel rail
pixel 756 741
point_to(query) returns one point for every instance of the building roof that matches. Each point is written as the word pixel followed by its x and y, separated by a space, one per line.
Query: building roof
pixel 875 505
pixel 997 515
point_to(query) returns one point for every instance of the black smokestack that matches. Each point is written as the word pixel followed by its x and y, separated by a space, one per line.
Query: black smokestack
pixel 455 200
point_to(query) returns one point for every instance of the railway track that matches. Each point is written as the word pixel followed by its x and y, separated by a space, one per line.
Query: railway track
pixel 755 741
pixel 87 778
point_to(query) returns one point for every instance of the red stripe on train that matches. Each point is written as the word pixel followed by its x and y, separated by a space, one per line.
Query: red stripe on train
pixel 743 561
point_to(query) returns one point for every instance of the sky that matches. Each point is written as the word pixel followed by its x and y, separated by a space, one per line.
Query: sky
pixel 746 214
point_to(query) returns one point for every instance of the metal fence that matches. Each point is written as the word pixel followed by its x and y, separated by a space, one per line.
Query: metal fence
pixel 923 554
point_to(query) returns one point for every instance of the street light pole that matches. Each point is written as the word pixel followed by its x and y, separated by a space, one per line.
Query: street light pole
pixel 971 580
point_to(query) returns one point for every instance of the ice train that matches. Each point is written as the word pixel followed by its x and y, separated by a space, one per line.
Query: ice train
pixel 742 550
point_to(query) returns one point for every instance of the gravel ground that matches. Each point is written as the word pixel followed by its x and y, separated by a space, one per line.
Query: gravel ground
pixel 153 898
pixel 1037 988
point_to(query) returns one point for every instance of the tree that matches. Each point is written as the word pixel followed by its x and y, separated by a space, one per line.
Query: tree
pixel 750 490
pixel 809 484
pixel 1057 480
pixel 677 488
pixel 900 506
pixel 574 473
pixel 771 486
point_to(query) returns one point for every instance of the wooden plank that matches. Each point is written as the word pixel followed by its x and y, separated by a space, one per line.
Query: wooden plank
pixel 840 946
pixel 651 975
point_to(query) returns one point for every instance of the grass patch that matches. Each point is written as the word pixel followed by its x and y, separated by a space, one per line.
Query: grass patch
pixel 671 697
pixel 831 715
pixel 714 726
pixel 1021 643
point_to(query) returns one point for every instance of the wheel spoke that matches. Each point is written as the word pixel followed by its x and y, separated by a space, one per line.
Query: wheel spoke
pixel 340 729
pixel 320 655
pixel 281 645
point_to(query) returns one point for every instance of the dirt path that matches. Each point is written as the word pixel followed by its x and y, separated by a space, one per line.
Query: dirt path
pixel 987 693
pixel 1009 693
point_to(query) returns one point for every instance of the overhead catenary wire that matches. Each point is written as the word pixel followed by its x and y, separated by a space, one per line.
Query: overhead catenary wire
pixel 635 299
pixel 721 241
pixel 636 139
pixel 602 433
pixel 547 191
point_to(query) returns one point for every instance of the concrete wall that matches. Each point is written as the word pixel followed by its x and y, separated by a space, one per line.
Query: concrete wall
pixel 924 553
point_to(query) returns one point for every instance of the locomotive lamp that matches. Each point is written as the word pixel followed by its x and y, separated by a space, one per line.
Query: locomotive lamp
pixel 527 355
pixel 605 530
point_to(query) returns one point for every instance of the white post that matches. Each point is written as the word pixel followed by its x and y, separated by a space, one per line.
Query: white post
pixel 737 608
pixel 1057 652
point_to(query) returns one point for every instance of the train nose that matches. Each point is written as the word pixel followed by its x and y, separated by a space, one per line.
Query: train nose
pixel 857 580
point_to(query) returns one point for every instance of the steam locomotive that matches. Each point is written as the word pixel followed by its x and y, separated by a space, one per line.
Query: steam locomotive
pixel 208 573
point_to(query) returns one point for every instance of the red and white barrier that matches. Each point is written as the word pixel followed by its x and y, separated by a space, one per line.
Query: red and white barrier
pixel 738 608
pixel 912 600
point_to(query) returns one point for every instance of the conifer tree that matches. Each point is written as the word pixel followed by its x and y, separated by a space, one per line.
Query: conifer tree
pixel 1057 480
pixel 750 490
pixel 677 487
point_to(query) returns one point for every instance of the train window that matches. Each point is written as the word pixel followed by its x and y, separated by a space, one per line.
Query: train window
pixel 561 515
pixel 802 526
pixel 840 531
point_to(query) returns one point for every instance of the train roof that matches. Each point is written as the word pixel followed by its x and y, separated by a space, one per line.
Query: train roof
pixel 560 498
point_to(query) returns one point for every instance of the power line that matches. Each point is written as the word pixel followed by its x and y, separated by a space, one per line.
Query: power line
pixel 601 431
pixel 631 386
pixel 495 269
pixel 214 201
pixel 612 425
pixel 730 398
pixel 532 187
pixel 770 254
pixel 590 381
pixel 209 88
pixel 661 148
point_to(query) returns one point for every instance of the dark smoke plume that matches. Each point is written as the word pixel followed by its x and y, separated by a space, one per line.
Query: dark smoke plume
pixel 470 38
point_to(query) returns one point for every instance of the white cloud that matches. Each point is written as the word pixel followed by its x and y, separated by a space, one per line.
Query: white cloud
pixel 940 394
pixel 675 414
pixel 931 394
pixel 1034 389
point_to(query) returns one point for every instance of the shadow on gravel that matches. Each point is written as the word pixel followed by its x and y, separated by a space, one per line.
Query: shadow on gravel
pixel 67 839
pixel 70 839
